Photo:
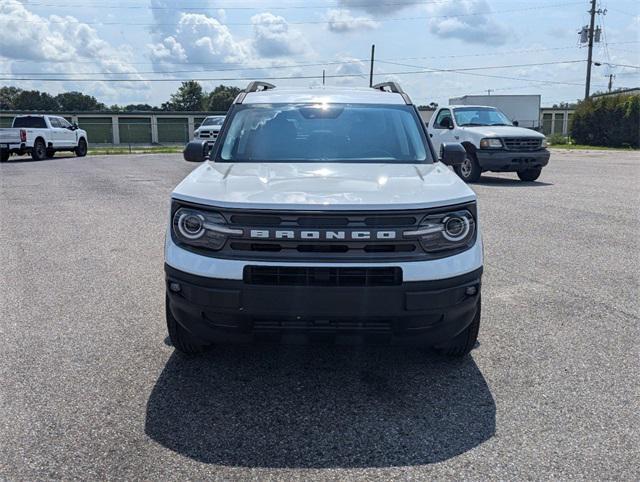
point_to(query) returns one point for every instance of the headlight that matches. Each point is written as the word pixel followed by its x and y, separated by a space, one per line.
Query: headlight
pixel 202 229
pixel 545 143
pixel 446 231
pixel 489 143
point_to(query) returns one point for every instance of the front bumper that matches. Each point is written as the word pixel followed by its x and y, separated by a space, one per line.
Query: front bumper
pixel 510 161
pixel 420 312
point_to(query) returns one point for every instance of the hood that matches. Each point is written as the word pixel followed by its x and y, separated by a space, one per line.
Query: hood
pixel 502 131
pixel 318 185
pixel 208 128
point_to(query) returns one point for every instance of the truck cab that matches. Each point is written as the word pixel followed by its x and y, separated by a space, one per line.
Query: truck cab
pixel 492 142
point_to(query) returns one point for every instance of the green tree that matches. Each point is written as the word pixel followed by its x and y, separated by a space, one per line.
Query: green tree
pixel 8 97
pixel 77 101
pixel 610 121
pixel 34 100
pixel 222 97
pixel 189 97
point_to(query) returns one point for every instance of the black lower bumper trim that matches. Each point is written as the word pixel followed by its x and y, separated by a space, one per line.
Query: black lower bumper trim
pixel 510 161
pixel 231 310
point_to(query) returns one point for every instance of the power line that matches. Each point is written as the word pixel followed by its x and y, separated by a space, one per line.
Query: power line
pixel 313 22
pixel 307 65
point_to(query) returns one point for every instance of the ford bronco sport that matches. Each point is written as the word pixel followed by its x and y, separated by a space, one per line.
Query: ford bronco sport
pixel 324 214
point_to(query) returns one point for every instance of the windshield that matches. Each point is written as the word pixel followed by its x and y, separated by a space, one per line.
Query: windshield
pixel 324 132
pixel 28 121
pixel 212 121
pixel 480 116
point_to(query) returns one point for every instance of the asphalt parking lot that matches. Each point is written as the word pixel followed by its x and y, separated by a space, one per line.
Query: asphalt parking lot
pixel 90 388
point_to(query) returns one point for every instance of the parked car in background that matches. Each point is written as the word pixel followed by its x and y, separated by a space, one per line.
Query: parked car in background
pixel 210 127
pixel 491 140
pixel 41 136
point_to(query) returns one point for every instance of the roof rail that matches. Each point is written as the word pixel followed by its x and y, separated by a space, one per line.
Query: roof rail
pixel 393 87
pixel 255 86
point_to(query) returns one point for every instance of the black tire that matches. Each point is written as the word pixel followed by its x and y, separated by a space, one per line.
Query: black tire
pixel 81 150
pixel 4 155
pixel 469 170
pixel 530 175
pixel 462 344
pixel 39 150
pixel 180 338
pixel 50 153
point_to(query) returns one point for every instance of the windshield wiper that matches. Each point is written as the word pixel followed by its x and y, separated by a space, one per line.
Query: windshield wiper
pixel 471 124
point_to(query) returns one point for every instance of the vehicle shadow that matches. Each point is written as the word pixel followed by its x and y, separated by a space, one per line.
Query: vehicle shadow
pixel 505 182
pixel 23 159
pixel 320 407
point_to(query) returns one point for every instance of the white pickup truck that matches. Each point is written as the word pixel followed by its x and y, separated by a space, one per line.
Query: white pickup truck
pixel 492 141
pixel 41 136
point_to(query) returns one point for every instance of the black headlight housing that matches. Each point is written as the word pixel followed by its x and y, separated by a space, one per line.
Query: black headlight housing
pixel 447 231
pixel 199 228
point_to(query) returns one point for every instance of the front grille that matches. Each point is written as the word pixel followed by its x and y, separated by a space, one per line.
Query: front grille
pixel 312 276
pixel 322 326
pixel 208 135
pixel 522 143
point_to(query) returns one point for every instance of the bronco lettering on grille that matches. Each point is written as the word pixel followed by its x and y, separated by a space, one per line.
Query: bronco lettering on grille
pixel 325 235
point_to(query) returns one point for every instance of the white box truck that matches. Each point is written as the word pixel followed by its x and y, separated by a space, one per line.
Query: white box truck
pixel 525 109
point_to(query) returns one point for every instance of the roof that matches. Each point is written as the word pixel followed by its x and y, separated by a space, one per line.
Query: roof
pixel 330 95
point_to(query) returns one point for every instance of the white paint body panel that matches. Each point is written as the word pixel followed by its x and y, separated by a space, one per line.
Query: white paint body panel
pixel 321 186
pixel 206 266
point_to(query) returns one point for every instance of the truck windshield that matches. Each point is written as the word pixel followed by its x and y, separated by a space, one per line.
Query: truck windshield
pixel 324 132
pixel 213 121
pixel 30 122
pixel 480 116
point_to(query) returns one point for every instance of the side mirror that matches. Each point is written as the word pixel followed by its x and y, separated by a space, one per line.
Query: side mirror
pixel 516 123
pixel 196 151
pixel 453 154
pixel 446 123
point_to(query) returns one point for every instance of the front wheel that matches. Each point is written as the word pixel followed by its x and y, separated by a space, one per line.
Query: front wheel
pixel 469 170
pixel 462 344
pixel 81 150
pixel 180 338
pixel 530 175
pixel 39 150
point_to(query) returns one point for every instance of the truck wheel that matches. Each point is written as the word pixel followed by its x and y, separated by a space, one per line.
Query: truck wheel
pixel 530 174
pixel 81 150
pixel 4 155
pixel 39 150
pixel 180 338
pixel 50 153
pixel 469 170
pixel 462 344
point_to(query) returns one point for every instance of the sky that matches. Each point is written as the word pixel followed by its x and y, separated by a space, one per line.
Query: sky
pixel 137 51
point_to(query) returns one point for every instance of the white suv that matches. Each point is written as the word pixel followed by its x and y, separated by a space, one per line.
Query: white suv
pixel 324 214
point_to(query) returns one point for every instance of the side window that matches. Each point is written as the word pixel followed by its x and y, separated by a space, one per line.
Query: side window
pixel 54 122
pixel 443 120
pixel 64 123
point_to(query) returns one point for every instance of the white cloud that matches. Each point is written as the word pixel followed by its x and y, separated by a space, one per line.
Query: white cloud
pixel 382 8
pixel 199 39
pixel 466 20
pixel 273 37
pixel 341 20
pixel 61 45
pixel 355 69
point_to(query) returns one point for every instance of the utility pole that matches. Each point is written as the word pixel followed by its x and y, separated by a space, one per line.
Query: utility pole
pixel 322 76
pixel 611 76
pixel 489 91
pixel 592 23
pixel 373 54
